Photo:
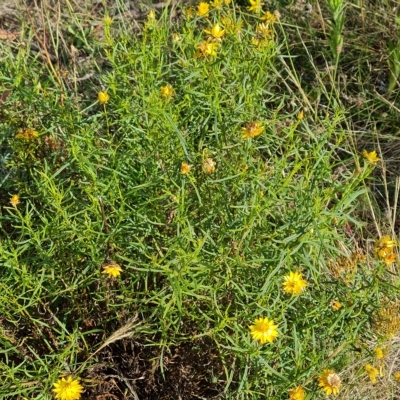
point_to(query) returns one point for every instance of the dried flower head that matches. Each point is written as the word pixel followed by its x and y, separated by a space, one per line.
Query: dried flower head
pixel 185 168
pixel 202 9
pixel 68 389
pixel 371 157
pixel 264 330
pixel 251 130
pixel 336 305
pixel 294 283
pixel 113 270
pixel 14 201
pixel 209 165
pixel 167 91
pixel 330 382
pixel 387 319
pixel 372 372
pixel 255 6
pixel 297 393
pixel 103 97
pixel 27 134
pixel 216 31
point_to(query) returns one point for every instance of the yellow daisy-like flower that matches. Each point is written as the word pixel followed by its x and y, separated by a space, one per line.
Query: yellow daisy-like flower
pixel 202 9
pixel 103 97
pixel 216 32
pixel 113 270
pixel 297 393
pixel 330 382
pixel 264 330
pixel 255 6
pixel 217 4
pixel 264 31
pixel 371 157
pixel 390 259
pixel 379 353
pixel 14 200
pixel 167 91
pixel 68 389
pixel 294 283
pixel 206 49
pixel 384 246
pixel 27 134
pixel 372 372
pixel 336 305
pixel 251 130
pixel 185 168
pixel 209 165
pixel 397 376
pixel 269 18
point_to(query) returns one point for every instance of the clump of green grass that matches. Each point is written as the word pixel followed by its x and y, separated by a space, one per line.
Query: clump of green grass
pixel 195 172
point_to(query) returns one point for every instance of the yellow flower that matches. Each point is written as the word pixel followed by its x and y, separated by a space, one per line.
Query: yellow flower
pixel 176 37
pixel 189 12
pixel 185 168
pixel 264 330
pixel 27 134
pixel 68 389
pixel 209 165
pixel 294 283
pixel 217 4
pixel 390 259
pixel 14 200
pixel 251 130
pixel 216 32
pixel 372 372
pixel 113 270
pixel 231 26
pixel 384 246
pixel 336 305
pixel 202 9
pixel 264 31
pixel 300 115
pixel 371 157
pixel 297 393
pixel 103 97
pixel 330 382
pixel 269 17
pixel 379 353
pixel 206 49
pixel 397 376
pixel 167 91
pixel 255 6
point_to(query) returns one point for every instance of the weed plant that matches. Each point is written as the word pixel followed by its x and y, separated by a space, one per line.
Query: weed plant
pixel 160 207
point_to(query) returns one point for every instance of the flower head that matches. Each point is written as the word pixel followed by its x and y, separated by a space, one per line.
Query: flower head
pixel 27 134
pixel 176 37
pixel 202 9
pixel 390 259
pixel 371 157
pixel 251 130
pixel 397 376
pixel 14 200
pixel 185 168
pixel 107 20
pixel 68 389
pixel 384 246
pixel 372 372
pixel 103 97
pixel 330 382
pixel 167 91
pixel 255 6
pixel 297 393
pixel 264 31
pixel 216 31
pixel 113 270
pixel 206 49
pixel 379 353
pixel 269 18
pixel 336 305
pixel 264 330
pixel 217 4
pixel 209 165
pixel 231 26
pixel 294 283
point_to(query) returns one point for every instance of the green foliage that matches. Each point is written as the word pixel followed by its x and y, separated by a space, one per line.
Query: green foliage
pixel 203 255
